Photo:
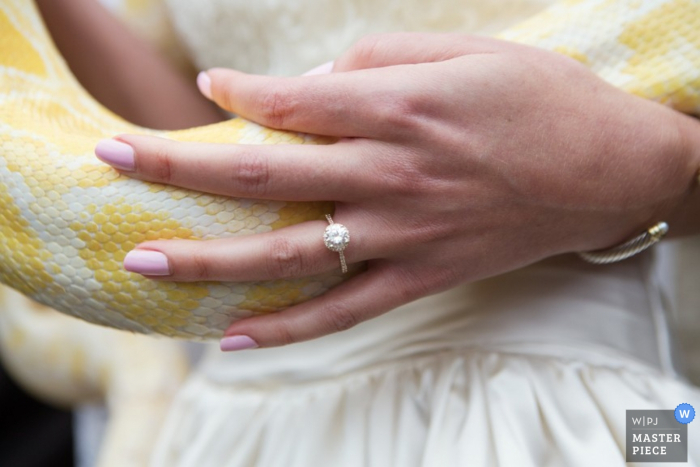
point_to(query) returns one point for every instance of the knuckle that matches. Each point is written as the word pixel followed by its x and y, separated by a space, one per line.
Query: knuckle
pixel 200 267
pixel 424 232
pixel 407 295
pixel 412 285
pixel 285 259
pixel 340 317
pixel 402 114
pixel 226 97
pixel 252 174
pixel 401 176
pixel 276 107
pixel 442 279
pixel 430 281
pixel 367 47
pixel 162 167
pixel 283 336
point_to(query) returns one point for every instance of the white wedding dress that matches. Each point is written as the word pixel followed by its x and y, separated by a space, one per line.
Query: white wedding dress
pixel 532 368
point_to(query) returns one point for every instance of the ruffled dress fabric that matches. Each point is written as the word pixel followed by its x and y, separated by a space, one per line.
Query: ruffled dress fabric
pixel 532 368
pixel 479 408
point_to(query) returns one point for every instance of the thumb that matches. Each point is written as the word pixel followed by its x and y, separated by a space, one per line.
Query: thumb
pixel 382 50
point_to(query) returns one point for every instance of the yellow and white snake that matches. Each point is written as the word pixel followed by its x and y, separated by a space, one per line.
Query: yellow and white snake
pixel 67 220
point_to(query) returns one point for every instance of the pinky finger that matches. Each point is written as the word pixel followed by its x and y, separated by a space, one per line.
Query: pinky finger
pixel 366 296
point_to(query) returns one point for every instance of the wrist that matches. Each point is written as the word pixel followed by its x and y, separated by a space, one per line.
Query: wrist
pixel 684 217
pixel 663 167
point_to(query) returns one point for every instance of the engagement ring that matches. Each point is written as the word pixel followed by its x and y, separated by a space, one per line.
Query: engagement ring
pixel 336 237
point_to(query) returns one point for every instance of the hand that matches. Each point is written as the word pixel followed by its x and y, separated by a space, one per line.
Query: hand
pixel 461 157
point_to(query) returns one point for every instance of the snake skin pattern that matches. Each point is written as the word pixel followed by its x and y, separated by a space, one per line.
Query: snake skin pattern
pixel 67 220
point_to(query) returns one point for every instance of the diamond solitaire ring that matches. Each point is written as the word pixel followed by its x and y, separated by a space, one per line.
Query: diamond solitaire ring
pixel 336 237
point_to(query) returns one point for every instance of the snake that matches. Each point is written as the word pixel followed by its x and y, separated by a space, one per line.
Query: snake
pixel 67 220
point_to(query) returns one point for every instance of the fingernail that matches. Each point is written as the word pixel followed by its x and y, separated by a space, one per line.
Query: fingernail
pixel 146 262
pixel 115 153
pixel 204 84
pixel 320 70
pixel 231 343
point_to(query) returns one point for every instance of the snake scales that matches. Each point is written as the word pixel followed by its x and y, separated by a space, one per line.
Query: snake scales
pixel 67 220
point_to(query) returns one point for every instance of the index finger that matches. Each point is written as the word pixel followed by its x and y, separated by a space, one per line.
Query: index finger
pixel 364 103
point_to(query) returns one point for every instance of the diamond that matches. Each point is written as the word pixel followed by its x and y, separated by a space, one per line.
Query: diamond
pixel 336 237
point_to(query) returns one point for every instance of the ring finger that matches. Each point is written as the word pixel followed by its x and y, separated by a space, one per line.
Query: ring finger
pixel 295 251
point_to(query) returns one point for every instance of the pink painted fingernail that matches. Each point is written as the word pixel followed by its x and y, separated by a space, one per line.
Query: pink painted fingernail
pixel 231 343
pixel 204 84
pixel 320 70
pixel 115 153
pixel 146 262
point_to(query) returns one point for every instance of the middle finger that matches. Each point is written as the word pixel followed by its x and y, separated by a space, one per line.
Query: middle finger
pixel 334 172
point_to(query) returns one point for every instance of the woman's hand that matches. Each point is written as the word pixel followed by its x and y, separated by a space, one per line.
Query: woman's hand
pixel 461 157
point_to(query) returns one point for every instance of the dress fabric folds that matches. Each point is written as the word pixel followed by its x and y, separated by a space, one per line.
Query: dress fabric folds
pixel 532 368
pixel 456 408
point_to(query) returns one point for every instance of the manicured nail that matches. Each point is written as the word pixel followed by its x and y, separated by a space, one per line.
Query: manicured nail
pixel 115 153
pixel 231 343
pixel 320 70
pixel 204 84
pixel 146 262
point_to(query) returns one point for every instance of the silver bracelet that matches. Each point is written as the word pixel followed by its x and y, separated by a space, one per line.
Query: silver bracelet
pixel 630 248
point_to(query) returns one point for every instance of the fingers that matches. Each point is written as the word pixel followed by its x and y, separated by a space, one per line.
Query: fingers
pixel 358 104
pixel 333 172
pixel 382 50
pixel 370 294
pixel 361 103
pixel 295 251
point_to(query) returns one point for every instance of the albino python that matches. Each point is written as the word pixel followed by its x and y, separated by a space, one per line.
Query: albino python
pixel 67 220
